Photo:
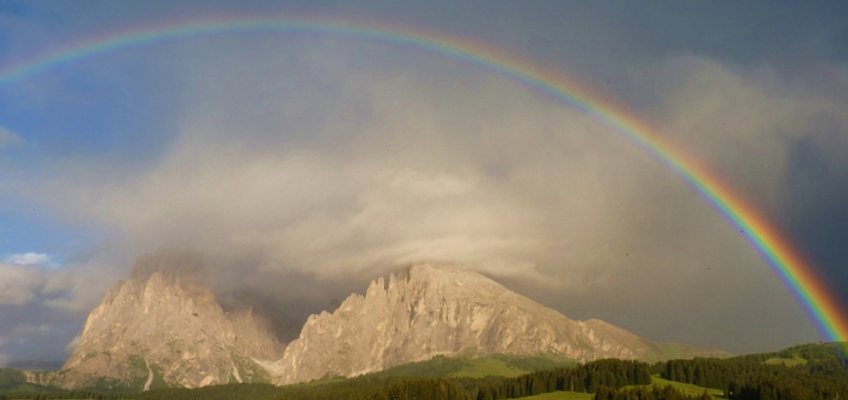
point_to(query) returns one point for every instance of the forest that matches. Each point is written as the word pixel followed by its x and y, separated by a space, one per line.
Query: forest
pixel 806 372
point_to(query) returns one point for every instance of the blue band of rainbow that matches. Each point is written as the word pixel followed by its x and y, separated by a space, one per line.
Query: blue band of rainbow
pixel 800 276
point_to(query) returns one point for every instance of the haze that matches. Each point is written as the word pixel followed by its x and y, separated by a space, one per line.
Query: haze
pixel 303 166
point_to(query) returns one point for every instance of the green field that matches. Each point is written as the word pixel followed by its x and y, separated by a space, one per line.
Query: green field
pixel 789 362
pixel 804 371
pixel 562 396
pixel 685 387
pixel 483 367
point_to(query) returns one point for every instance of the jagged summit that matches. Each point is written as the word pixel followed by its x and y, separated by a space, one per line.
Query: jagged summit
pixel 428 310
pixel 451 278
pixel 164 327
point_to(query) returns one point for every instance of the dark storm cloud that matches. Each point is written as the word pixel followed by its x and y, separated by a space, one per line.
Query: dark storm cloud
pixel 819 186
pixel 36 333
pixel 406 166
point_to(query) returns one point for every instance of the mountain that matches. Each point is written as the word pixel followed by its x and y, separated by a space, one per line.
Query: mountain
pixel 164 327
pixel 430 310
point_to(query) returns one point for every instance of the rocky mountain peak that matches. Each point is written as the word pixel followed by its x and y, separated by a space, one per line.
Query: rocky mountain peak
pixel 450 281
pixel 164 327
pixel 428 310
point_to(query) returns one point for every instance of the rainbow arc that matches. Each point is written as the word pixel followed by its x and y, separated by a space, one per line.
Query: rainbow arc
pixel 798 274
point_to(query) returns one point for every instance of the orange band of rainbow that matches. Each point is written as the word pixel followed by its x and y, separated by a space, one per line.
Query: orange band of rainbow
pixel 800 276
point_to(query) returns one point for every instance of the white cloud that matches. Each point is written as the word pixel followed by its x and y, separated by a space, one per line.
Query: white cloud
pixel 9 138
pixel 32 278
pixel 404 167
pixel 19 284
pixel 81 287
pixel 42 259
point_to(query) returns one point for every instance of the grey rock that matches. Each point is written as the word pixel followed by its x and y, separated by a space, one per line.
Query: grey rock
pixel 430 310
pixel 163 327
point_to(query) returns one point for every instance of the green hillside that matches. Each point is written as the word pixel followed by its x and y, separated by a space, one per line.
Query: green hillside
pixel 798 355
pixel 487 367
pixel 561 396
pixel 789 362
pixel 814 371
pixel 467 367
pixel 684 388
pixel 12 380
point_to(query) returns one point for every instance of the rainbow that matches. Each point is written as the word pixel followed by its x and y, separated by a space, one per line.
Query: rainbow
pixel 797 274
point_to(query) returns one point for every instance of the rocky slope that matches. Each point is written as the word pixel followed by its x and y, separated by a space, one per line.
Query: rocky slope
pixel 429 310
pixel 163 327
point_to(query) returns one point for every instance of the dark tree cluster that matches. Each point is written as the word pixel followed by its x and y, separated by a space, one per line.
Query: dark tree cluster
pixel 73 394
pixel 583 378
pixel 823 376
pixel 790 387
pixel 352 389
pixel 834 351
pixel 643 393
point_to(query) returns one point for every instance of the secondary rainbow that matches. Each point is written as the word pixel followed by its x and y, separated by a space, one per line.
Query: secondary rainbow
pixel 799 276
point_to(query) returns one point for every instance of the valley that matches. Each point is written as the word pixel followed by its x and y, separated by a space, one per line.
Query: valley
pixel 823 375
pixel 164 327
pixel 427 332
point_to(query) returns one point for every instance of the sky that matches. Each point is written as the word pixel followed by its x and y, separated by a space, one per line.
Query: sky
pixel 304 165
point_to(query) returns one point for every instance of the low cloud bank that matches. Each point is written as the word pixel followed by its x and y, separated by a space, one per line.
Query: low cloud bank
pixel 303 189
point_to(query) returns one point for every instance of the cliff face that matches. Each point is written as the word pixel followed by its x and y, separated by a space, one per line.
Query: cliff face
pixel 163 327
pixel 429 310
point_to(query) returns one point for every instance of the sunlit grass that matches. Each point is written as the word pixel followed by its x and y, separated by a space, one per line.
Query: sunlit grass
pixel 686 388
pixel 562 396
pixel 487 367
pixel 789 362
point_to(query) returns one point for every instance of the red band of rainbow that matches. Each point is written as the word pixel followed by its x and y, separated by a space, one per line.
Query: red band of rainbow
pixel 800 276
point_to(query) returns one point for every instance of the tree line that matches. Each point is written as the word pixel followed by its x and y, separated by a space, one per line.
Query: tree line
pixel 643 393
pixel 583 378
pixel 824 375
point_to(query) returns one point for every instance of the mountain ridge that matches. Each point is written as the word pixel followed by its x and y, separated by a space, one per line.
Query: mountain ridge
pixel 432 309
pixel 164 327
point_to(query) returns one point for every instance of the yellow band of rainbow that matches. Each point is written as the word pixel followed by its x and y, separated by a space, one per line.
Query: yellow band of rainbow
pixel 800 276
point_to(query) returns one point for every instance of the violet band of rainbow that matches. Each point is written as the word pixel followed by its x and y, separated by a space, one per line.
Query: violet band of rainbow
pixel 799 275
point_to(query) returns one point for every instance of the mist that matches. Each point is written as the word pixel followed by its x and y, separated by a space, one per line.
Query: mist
pixel 303 173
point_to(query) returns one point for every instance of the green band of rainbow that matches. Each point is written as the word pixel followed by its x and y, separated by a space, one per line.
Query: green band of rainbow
pixel 801 278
